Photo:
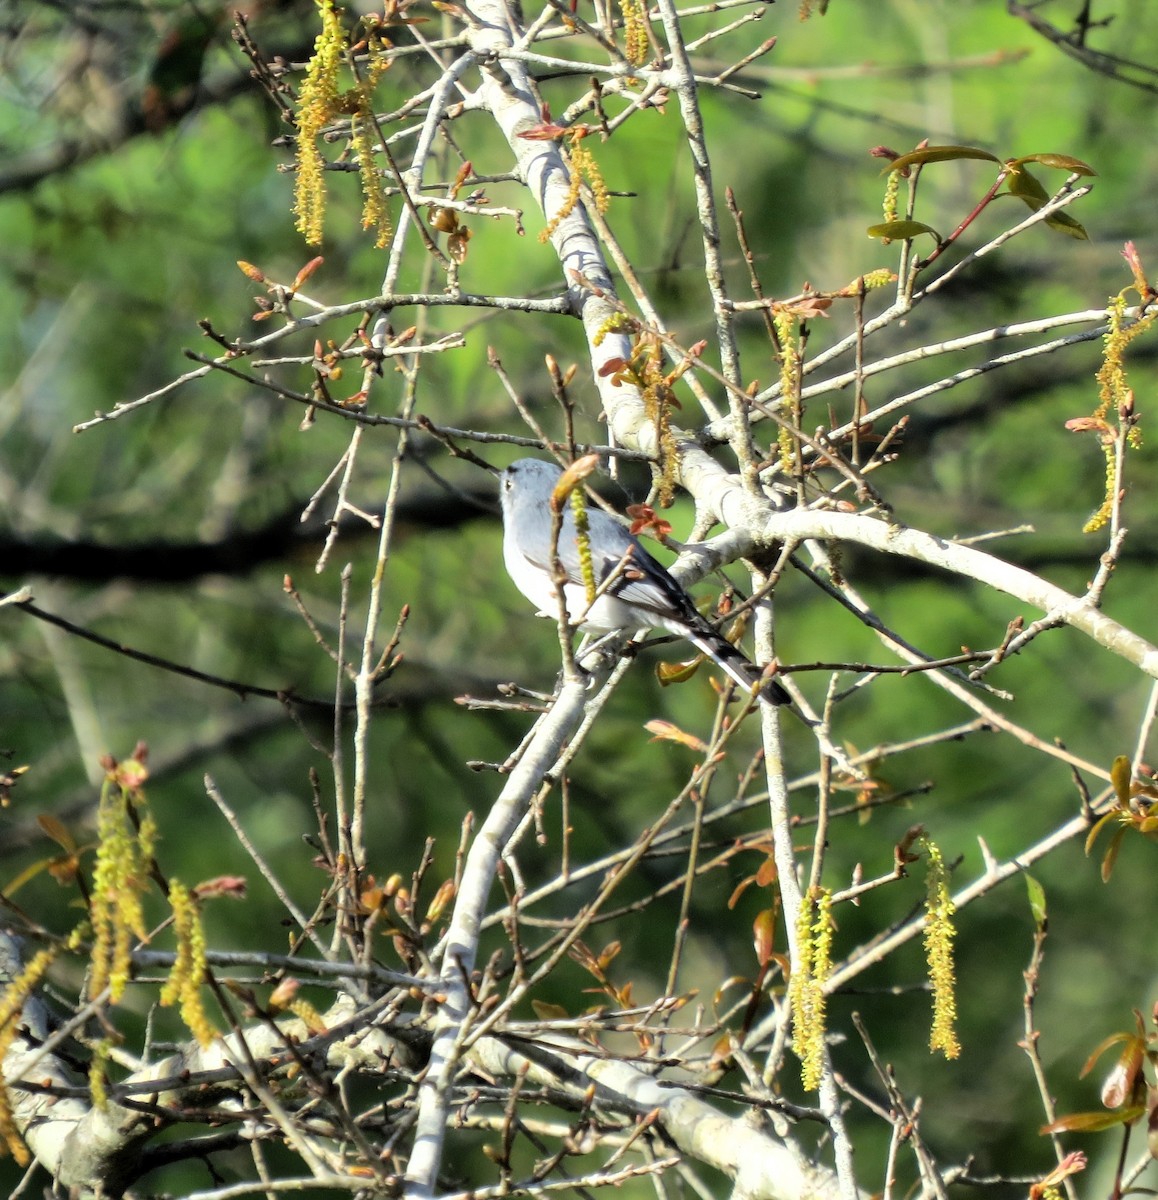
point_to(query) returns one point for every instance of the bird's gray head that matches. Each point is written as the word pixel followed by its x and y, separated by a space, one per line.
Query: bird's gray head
pixel 528 481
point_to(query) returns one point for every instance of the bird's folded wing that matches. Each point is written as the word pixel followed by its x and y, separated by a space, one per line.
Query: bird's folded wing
pixel 639 579
pixel 644 584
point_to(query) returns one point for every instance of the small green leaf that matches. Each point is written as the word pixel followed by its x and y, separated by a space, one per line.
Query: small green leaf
pixel 56 830
pixel 1113 1039
pixel 895 231
pixel 1111 855
pixel 1036 901
pixel 668 672
pixel 931 154
pixel 44 864
pixel 1095 1122
pixel 1064 223
pixel 1028 188
pixel 1097 828
pixel 1121 772
pixel 764 935
pixel 1063 162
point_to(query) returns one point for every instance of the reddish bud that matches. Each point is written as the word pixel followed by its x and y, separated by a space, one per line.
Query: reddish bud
pixel 544 133
pixel 231 887
pixel 463 175
pixel 306 272
pixel 644 518
pixel 283 994
pixel 1088 425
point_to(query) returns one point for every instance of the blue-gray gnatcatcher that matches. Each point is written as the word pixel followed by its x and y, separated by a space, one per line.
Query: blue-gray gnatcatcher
pixel 641 594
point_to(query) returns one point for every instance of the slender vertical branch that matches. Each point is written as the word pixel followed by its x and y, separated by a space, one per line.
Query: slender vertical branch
pixel 784 853
pixel 685 87
pixel 461 944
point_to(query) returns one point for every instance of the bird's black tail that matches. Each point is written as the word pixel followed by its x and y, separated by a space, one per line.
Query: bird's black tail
pixel 746 674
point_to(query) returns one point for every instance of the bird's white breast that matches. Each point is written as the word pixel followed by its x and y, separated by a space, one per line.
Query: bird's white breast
pixel 606 614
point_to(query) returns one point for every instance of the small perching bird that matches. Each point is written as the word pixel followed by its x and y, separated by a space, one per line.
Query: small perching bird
pixel 633 590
